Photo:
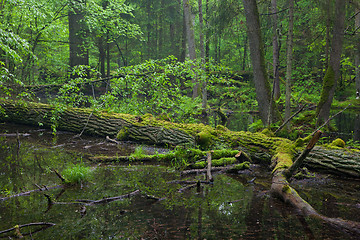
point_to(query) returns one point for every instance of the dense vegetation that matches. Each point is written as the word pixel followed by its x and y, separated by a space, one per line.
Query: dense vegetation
pixel 143 57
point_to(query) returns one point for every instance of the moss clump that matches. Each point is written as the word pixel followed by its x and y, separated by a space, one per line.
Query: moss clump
pixel 338 143
pixel 241 166
pixel 203 139
pixel 221 128
pixel 304 173
pixel 123 134
pixel 215 163
pixel 216 154
pixel 301 141
pixel 267 132
pixel 223 161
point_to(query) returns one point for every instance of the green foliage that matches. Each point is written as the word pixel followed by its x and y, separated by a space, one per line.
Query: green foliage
pixel 256 126
pixel 77 173
pixel 138 153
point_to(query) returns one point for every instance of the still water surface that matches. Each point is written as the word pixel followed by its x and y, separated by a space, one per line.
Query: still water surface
pixel 235 207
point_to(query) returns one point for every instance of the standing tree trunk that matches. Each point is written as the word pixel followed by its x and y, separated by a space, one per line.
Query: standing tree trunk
pixel 77 34
pixel 289 58
pixel 262 86
pixel 191 42
pixel 357 52
pixel 102 55
pixel 276 50
pixel 202 55
pixel 333 71
pixel 207 35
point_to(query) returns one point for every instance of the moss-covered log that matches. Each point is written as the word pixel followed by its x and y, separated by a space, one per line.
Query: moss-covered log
pixel 92 122
pixel 149 129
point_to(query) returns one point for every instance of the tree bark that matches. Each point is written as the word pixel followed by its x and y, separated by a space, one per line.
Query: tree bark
pixel 262 86
pixel 276 50
pixel 357 51
pixel 289 58
pixel 77 35
pixel 191 42
pixel 333 72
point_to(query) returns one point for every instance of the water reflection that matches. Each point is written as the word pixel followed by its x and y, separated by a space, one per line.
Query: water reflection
pixel 231 208
pixel 348 126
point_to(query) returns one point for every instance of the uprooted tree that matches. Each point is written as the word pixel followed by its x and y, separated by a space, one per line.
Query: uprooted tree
pixel 276 152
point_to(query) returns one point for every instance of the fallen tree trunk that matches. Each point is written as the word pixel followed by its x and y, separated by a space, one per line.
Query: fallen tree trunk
pixel 258 147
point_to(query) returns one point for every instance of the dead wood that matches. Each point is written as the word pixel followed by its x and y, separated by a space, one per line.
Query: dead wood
pixel 93 202
pixel 329 119
pixel 287 120
pixel 299 161
pixel 40 189
pixel 213 169
pixel 281 188
pixel 59 175
pixel 208 172
pixel 17 227
pixel 112 140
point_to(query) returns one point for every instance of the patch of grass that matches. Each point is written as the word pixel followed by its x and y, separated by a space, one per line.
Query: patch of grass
pixel 77 173
pixel 138 153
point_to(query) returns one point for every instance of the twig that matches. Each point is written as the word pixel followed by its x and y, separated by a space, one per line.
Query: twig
pixel 93 202
pixel 327 121
pixel 31 191
pixel 213 169
pixel 28 225
pixel 208 174
pixel 287 120
pixel 288 173
pixel 187 187
pixel 59 175
pixel 112 140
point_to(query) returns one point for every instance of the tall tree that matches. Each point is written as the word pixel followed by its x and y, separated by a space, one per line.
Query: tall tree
pixel 262 86
pixel 276 50
pixel 289 60
pixel 357 47
pixel 79 54
pixel 191 42
pixel 333 71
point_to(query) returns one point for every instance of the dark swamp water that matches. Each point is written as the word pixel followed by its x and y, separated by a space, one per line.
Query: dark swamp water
pixel 235 207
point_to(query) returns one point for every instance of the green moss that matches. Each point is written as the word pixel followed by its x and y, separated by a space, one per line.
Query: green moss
pixel 304 173
pixel 203 139
pixel 286 189
pixel 242 166
pixel 221 128
pixel 215 163
pixel 300 142
pixel 216 154
pixel 328 83
pixel 283 155
pixel 199 165
pixel 267 132
pixel 122 134
pixel 338 143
